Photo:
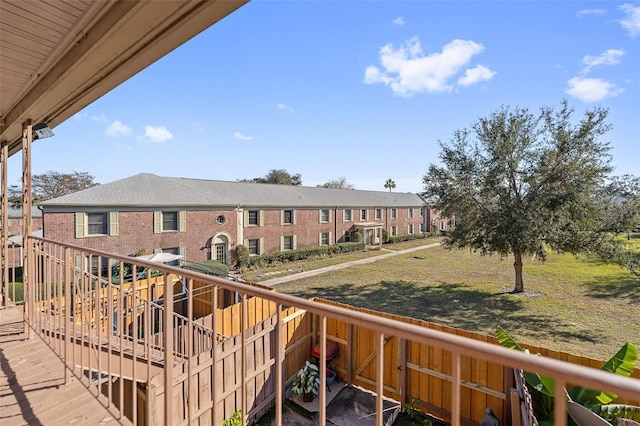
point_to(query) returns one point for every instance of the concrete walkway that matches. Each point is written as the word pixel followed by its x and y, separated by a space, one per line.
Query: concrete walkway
pixel 313 272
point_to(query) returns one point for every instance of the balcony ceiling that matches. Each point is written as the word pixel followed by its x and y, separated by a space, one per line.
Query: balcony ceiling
pixel 58 56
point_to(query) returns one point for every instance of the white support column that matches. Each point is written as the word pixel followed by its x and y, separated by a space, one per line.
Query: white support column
pixel 27 256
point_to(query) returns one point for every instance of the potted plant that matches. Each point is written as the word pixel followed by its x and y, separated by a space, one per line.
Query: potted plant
pixel 306 382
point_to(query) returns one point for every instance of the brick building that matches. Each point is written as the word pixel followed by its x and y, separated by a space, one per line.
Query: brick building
pixel 14 233
pixel 206 219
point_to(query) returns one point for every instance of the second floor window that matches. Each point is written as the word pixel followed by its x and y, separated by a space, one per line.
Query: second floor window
pixel 253 217
pixel 347 215
pixel 394 214
pixel 97 224
pixel 287 217
pixel 169 221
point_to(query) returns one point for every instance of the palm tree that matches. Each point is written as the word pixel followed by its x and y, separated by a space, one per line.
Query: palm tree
pixel 390 184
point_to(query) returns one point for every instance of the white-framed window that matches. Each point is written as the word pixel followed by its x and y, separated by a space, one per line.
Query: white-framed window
pixel 410 212
pixel 288 242
pixel 174 250
pixel 394 230
pixel 287 217
pixel 254 247
pixel 378 214
pixel 410 229
pixel 394 213
pixel 363 214
pixel 346 236
pixel 169 220
pixel 253 218
pixel 325 238
pixel 97 224
pixel 325 216
pixel 422 212
pixel 90 224
pixel 346 215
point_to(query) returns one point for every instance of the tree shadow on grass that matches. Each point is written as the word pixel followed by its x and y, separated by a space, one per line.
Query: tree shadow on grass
pixel 455 305
pixel 616 287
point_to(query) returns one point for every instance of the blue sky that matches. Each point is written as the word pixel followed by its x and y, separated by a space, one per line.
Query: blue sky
pixel 356 89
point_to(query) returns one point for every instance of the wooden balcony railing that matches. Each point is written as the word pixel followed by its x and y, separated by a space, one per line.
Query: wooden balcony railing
pixel 137 340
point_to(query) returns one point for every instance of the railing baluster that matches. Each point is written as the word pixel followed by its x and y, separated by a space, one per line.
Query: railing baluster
pixel 380 379
pixel 455 388
pixel 190 354
pixel 560 404
pixel 279 361
pixel 323 369
pixel 168 348
pixel 243 376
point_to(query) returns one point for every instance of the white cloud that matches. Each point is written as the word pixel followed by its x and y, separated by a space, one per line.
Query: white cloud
pixel 242 137
pixel 399 21
pixel 157 134
pixel 100 118
pixel 117 129
pixel 592 89
pixel 584 12
pixel 408 71
pixel 284 107
pixel 476 75
pixel 608 57
pixel 632 21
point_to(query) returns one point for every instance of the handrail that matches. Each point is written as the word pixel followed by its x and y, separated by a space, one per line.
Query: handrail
pixel 182 338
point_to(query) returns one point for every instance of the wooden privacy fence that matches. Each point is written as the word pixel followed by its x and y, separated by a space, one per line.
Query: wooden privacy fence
pixel 422 373
pixel 217 374
pixel 412 371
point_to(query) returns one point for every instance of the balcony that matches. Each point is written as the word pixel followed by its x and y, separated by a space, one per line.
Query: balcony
pixel 202 357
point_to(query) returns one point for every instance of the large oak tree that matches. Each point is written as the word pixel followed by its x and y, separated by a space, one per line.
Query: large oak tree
pixel 520 184
pixel 52 184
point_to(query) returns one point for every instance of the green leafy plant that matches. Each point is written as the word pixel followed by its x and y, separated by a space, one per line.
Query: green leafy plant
pixel 306 381
pixel 235 420
pixel 412 410
pixel 542 388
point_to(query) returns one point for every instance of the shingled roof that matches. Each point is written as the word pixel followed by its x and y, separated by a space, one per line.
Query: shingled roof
pixel 147 190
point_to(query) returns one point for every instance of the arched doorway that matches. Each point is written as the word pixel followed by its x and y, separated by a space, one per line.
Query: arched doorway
pixel 220 248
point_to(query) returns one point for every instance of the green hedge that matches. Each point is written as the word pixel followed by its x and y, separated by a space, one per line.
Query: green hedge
pixel 303 254
pixel 210 267
pixel 405 237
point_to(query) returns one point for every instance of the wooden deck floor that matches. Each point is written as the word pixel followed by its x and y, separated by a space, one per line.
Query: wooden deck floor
pixel 32 389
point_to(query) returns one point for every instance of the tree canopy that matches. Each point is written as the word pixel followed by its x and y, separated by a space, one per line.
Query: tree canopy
pixel 521 184
pixel 51 184
pixel 339 183
pixel 278 177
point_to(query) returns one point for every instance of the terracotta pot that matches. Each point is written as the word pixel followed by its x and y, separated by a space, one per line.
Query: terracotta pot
pixel 307 397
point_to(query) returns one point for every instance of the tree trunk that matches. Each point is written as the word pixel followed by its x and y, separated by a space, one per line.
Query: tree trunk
pixel 517 265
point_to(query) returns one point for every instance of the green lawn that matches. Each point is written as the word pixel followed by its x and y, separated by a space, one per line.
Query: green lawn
pixel 307 265
pixel 574 305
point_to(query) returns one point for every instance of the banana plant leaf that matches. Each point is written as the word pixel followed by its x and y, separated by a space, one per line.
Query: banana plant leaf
pixel 612 412
pixel 622 363
pixel 542 384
